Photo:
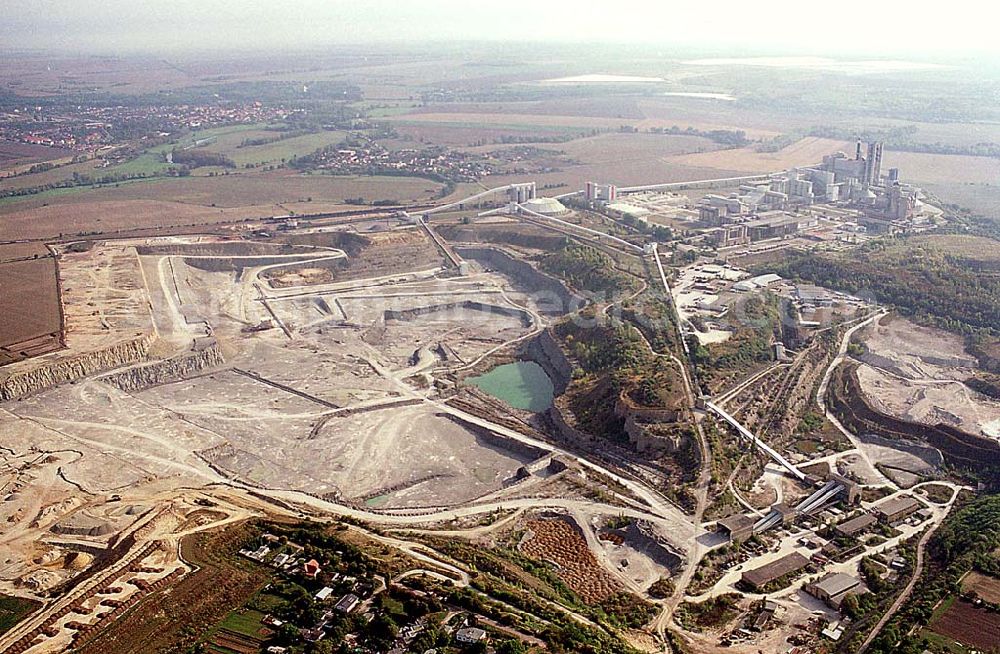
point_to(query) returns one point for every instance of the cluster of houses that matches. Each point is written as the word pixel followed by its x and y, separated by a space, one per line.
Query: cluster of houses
pixel 85 129
pixel 354 596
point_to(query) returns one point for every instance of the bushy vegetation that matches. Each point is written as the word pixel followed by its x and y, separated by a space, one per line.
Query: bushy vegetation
pixel 755 326
pixel 587 269
pixel 196 158
pixel 618 350
pixel 920 280
pixel 712 613
pixel 662 588
pixel 495 597
pixel 966 541
pixel 599 348
pixel 13 610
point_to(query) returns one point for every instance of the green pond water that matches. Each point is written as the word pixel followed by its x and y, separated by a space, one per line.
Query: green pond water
pixel 523 385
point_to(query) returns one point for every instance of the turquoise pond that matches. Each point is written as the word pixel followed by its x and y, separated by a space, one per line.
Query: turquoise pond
pixel 523 385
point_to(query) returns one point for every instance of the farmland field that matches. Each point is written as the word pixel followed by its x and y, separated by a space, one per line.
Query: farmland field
pixel 229 141
pixel 598 106
pixel 614 147
pixel 540 123
pixel 194 200
pixel 943 168
pixel 250 189
pixel 12 153
pixel 967 624
pixel 623 173
pixel 982 199
pixel 463 134
pixel 971 248
pixel 803 152
pixel 29 301
pixel 987 588
pixel 192 605
pixel 54 176
pixel 610 112
pixel 149 163
pixel 28 220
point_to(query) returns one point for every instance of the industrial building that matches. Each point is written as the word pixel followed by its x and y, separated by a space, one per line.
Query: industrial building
pixel 854 526
pixel 718 210
pixel 815 296
pixel 761 227
pixel 756 283
pixel 852 490
pixel 730 236
pixel 835 587
pixel 601 193
pixel 766 574
pixel 521 193
pixel 737 527
pixel 897 509
pixel 760 211
pixel 545 206
pixel 624 210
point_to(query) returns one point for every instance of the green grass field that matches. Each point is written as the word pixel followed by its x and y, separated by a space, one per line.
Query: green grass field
pixel 941 643
pixel 284 149
pixel 148 163
pixel 382 112
pixel 13 610
pixel 244 622
pixel 224 138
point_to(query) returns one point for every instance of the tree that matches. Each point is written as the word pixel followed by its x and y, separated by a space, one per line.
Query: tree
pixel 383 629
pixel 850 607
pixel 323 647
pixel 511 647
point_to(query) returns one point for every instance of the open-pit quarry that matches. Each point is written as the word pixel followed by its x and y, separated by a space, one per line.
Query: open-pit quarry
pixel 321 373
pixel 333 372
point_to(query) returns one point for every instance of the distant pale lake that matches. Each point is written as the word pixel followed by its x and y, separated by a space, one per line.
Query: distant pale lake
pixel 523 385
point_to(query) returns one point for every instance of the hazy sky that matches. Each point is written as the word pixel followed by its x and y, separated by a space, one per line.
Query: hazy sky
pixel 887 27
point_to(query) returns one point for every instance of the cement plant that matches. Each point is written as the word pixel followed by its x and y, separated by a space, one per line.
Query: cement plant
pixel 326 368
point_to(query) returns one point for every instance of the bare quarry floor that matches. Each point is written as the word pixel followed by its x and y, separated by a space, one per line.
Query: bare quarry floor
pixel 916 373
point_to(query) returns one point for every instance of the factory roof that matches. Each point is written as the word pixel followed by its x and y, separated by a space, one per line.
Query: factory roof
pixel 776 218
pixel 836 583
pixel 775 570
pixel 736 522
pixel 897 505
pixel 546 206
pixel 766 280
pixel 810 293
pixel 628 209
pixel 856 525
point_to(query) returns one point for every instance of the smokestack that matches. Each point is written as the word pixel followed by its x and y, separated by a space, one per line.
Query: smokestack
pixel 870 164
pixel 878 162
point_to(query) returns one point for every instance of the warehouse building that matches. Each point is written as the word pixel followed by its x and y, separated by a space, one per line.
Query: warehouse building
pixel 835 587
pixel 897 509
pixel 771 572
pixel 737 527
pixel 854 526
